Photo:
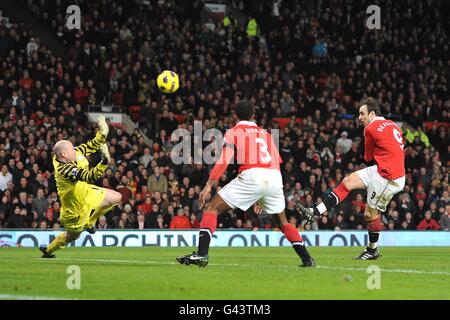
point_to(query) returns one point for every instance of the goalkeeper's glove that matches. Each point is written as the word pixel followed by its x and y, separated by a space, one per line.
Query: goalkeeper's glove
pixel 103 126
pixel 106 157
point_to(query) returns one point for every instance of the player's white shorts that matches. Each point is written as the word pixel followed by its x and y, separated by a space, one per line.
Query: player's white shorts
pixel 255 184
pixel 379 190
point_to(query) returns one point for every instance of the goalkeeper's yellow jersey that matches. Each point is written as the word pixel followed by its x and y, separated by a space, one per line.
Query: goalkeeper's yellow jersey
pixel 73 178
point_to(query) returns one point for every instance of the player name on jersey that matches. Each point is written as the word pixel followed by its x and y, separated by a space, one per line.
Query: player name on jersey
pixel 383 125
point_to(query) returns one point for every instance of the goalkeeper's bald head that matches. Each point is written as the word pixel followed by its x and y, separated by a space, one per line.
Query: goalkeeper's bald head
pixel 64 151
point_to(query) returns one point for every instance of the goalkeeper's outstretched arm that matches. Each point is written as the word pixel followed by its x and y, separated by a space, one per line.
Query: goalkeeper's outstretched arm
pixel 94 145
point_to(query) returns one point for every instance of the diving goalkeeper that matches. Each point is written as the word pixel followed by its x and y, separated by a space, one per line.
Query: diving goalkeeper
pixel 82 203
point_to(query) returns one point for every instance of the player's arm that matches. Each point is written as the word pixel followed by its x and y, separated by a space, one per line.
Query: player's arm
pixel 225 157
pixel 221 165
pixel 71 172
pixel 217 172
pixel 369 145
pixel 94 145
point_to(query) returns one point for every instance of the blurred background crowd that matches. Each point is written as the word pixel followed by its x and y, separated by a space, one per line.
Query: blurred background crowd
pixel 304 64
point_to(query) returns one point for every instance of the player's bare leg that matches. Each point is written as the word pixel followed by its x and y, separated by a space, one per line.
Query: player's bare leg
pixel 294 237
pixel 373 218
pixel 59 242
pixel 208 226
pixel 332 199
pixel 112 198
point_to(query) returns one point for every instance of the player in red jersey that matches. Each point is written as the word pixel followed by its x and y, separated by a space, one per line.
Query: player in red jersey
pixel 259 180
pixel 384 145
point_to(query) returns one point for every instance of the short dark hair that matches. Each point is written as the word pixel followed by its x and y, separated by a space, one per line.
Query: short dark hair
pixel 372 105
pixel 244 110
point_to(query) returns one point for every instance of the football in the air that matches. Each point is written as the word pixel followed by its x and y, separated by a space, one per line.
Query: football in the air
pixel 168 81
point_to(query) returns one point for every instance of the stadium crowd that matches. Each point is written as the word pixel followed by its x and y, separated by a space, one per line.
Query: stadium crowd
pixel 309 66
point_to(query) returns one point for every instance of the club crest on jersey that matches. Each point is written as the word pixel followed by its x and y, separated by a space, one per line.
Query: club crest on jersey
pixel 80 157
pixel 75 171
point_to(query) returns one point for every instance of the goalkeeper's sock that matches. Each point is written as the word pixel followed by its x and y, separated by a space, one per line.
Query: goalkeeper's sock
pixel 332 199
pixel 58 243
pixel 207 228
pixel 98 213
pixel 294 237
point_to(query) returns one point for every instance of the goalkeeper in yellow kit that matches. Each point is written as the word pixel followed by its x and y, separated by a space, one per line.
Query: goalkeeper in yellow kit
pixel 82 203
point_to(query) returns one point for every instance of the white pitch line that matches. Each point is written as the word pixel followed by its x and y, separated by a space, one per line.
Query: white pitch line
pixel 388 270
pixel 22 297
pixel 259 266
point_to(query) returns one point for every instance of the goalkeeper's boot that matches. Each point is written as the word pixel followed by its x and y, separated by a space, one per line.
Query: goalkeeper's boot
pixel 89 228
pixel 306 213
pixel 369 254
pixel 194 258
pixel 310 263
pixel 45 254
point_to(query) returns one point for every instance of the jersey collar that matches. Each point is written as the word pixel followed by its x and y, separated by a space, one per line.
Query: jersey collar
pixel 377 118
pixel 247 123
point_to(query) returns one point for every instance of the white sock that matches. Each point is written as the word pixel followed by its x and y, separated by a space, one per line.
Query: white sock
pixel 321 207
pixel 373 245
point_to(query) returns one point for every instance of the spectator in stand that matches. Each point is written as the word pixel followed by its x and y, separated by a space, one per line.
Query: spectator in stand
pixel 102 223
pixel 53 213
pixel 43 225
pixel 124 189
pixel 444 220
pixel 18 218
pixel 160 222
pixel 195 223
pixel 5 176
pixel 324 223
pixel 339 223
pixel 238 224
pixel 180 221
pixel 408 222
pixel 428 223
pixel 141 222
pixel 39 205
pixel 344 142
pixel 157 182
pixel 146 207
pixel 32 47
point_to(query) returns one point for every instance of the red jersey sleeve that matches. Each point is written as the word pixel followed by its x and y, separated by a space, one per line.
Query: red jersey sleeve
pixel 225 157
pixel 369 144
pixel 222 164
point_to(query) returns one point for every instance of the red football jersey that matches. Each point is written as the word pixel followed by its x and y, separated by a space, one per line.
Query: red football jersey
pixel 254 146
pixel 384 144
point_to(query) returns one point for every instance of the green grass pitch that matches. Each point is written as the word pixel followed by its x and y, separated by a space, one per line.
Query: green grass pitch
pixel 232 273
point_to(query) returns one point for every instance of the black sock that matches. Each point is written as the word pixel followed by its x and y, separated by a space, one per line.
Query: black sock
pixel 330 201
pixel 203 242
pixel 373 239
pixel 373 236
pixel 302 252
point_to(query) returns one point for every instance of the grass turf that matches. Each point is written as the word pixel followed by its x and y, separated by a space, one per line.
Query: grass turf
pixel 233 273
